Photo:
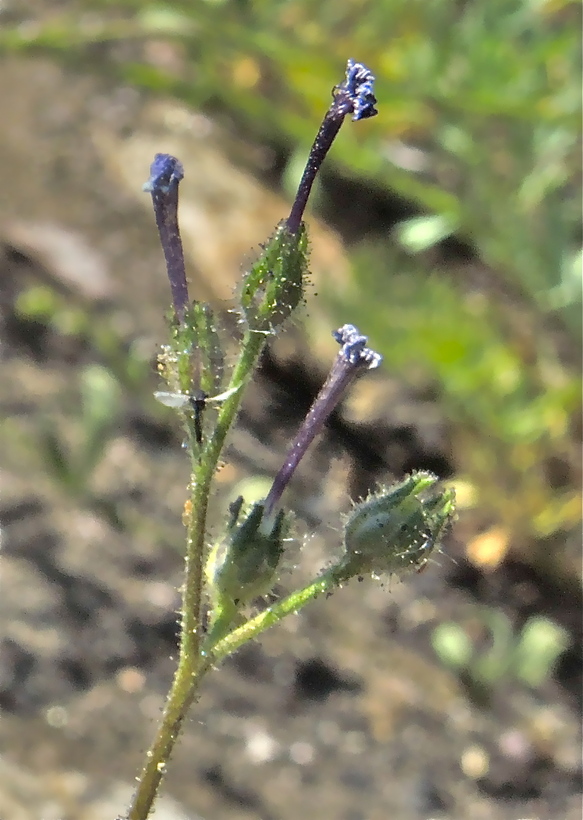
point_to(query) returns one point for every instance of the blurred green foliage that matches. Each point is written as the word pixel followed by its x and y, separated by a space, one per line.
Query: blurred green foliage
pixel 479 128
pixel 71 452
pixel 529 657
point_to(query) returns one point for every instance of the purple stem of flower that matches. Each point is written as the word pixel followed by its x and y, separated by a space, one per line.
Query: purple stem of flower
pixel 165 174
pixel 353 96
pixel 353 358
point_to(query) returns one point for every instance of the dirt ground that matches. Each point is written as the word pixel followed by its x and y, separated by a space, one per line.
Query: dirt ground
pixel 342 712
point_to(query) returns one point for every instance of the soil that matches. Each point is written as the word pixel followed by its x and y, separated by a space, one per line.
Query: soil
pixel 343 711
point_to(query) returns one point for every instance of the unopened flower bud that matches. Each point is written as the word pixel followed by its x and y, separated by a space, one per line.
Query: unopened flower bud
pixel 243 565
pixel 274 286
pixel 397 528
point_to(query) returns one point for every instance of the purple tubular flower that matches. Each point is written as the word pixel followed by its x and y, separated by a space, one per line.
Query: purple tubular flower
pixel 353 358
pixel 358 91
pixel 353 96
pixel 165 174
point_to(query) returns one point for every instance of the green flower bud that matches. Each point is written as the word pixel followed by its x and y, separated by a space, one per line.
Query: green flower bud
pixel 274 286
pixel 397 528
pixel 243 565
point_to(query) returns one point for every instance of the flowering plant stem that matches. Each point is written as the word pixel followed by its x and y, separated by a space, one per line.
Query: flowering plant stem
pixel 238 569
pixel 392 531
pixel 326 582
pixel 192 663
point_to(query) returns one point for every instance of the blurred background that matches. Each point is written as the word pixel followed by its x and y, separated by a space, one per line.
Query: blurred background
pixel 448 229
